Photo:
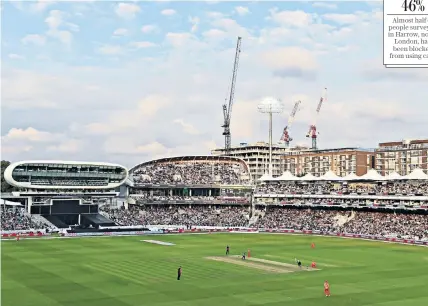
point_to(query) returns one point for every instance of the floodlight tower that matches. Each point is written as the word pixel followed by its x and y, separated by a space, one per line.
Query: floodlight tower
pixel 270 106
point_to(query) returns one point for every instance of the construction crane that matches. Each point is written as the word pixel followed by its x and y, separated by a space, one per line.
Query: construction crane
pixel 313 128
pixel 228 103
pixel 285 139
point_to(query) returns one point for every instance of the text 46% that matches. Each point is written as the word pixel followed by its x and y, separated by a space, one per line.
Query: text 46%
pixel 413 5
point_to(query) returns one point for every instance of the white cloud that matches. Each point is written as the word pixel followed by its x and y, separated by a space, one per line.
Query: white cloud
pixel 42 5
pixel 242 10
pixel 178 39
pixel 326 5
pixel 67 146
pixel 291 62
pixel 149 28
pixel 187 127
pixel 291 18
pixel 127 146
pixel 153 148
pixel 168 12
pixel 120 32
pixel 29 134
pixel 194 21
pixel 35 39
pixel 19 140
pixel 214 34
pixel 54 21
pixel 152 104
pixel 142 44
pixel 215 15
pixel 342 18
pixel 232 27
pixel 15 56
pixel 111 49
pixel 127 10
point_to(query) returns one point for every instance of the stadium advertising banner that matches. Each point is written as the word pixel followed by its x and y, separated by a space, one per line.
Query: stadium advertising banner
pixel 112 233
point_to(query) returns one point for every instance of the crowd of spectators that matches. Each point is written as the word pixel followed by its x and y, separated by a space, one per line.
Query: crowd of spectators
pixel 17 219
pixel 339 201
pixel 362 223
pixel 174 198
pixel 192 172
pixel 404 188
pixel 386 224
pixel 234 216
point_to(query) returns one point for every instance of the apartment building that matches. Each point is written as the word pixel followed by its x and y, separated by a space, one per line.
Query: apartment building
pixel 257 157
pixel 341 161
pixel 402 156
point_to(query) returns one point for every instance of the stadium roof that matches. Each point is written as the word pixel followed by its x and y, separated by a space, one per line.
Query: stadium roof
pixel 9 175
pixel 191 158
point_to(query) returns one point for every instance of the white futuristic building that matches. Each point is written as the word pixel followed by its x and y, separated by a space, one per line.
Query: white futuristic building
pixel 40 174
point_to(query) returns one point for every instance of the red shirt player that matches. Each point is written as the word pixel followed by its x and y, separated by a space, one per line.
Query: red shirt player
pixel 326 288
pixel 17 237
pixel 314 264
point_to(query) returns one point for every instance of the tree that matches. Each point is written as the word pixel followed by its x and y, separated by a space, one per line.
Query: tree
pixel 5 187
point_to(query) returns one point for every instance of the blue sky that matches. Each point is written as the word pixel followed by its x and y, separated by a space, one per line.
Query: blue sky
pixel 131 81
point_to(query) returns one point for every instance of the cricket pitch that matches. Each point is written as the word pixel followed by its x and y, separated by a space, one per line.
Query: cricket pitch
pixel 260 264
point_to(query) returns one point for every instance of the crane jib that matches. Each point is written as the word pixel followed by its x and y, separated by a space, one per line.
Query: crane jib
pixel 227 109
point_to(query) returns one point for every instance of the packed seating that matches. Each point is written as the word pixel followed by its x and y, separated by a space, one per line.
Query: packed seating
pixel 18 219
pixel 407 188
pixel 234 216
pixel 340 201
pixel 200 172
pixel 174 198
pixel 384 224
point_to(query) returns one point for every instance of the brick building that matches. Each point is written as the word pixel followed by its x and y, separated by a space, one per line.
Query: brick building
pixel 341 161
pixel 402 156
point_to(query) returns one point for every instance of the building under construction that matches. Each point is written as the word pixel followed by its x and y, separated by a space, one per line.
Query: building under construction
pixel 256 155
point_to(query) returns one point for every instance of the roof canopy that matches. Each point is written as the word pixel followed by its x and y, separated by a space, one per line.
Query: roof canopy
pixel 372 175
pixel 417 174
pixel 266 177
pixel 351 177
pixel 309 177
pixel 394 176
pixel 331 176
pixel 286 176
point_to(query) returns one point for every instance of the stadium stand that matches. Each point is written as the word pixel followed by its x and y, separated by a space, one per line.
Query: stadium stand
pixel 181 215
pixel 60 194
pixel 198 170
pixel 389 188
pixel 16 218
pixel 386 224
pixel 216 191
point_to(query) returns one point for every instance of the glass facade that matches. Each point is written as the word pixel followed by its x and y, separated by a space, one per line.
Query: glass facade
pixel 72 174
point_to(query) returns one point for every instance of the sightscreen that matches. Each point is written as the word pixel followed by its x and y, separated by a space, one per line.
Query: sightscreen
pixel 72 207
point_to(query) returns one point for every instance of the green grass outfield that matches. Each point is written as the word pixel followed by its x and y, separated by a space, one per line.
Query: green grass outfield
pixel 122 271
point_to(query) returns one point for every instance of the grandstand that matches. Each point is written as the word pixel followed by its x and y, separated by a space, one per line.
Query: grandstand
pixel 61 194
pixel 64 175
pixel 192 170
pixel 191 180
pixel 194 191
